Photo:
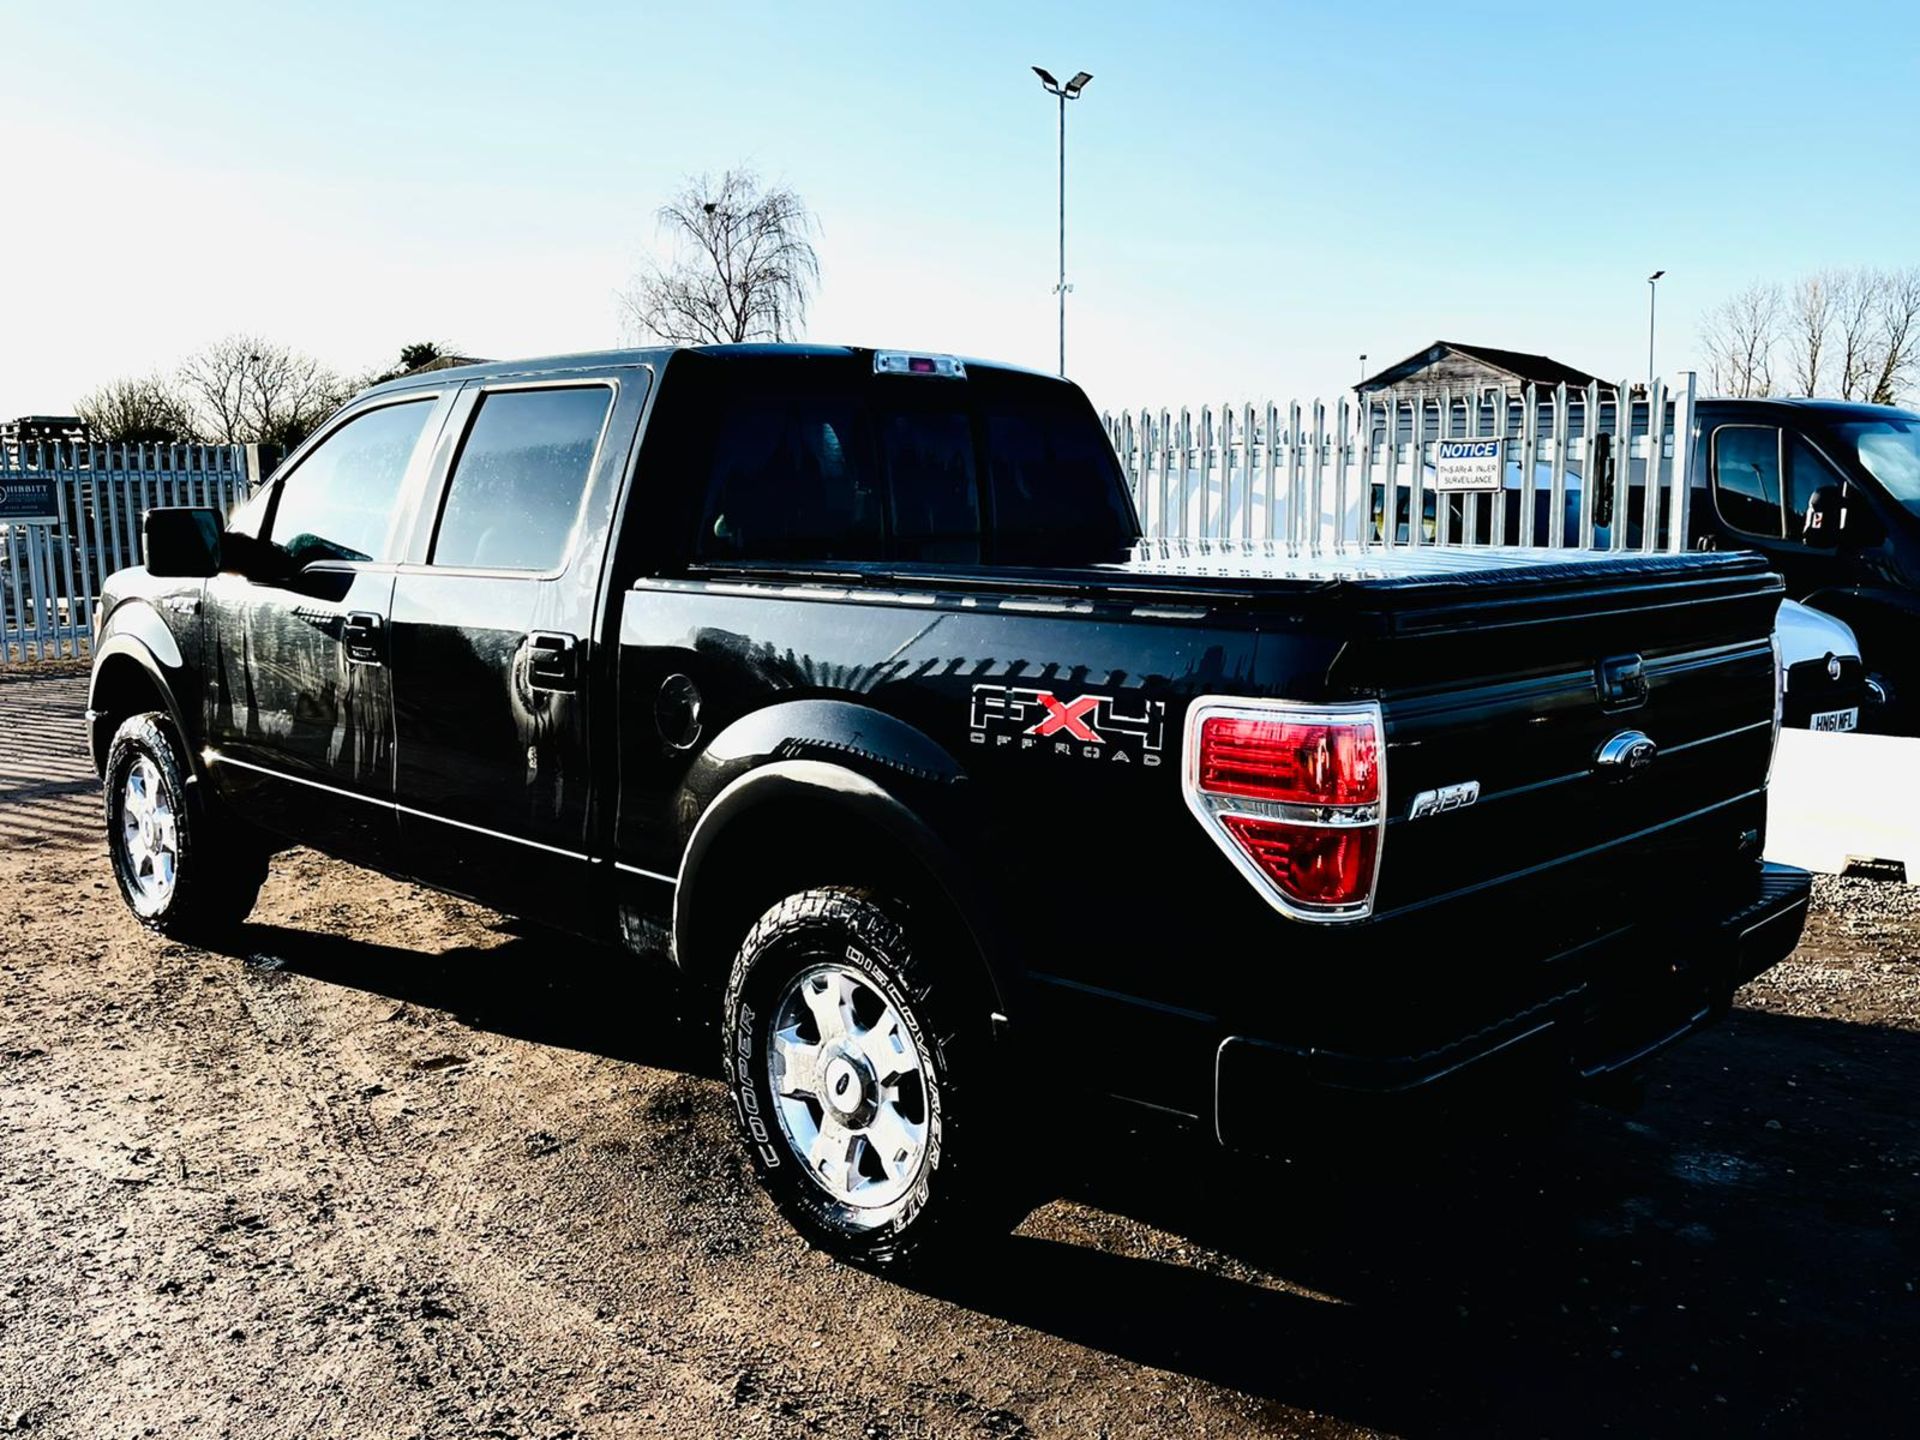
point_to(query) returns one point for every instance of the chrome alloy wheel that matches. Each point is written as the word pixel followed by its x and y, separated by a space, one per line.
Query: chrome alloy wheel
pixel 149 835
pixel 850 1086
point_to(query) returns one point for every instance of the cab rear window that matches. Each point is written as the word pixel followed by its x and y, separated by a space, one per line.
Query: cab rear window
pixel 791 479
pixel 1056 487
pixel 910 471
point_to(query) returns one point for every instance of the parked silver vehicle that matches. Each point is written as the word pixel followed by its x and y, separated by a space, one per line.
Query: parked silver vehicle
pixel 1825 685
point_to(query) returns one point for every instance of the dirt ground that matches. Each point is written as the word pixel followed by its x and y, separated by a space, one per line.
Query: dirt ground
pixel 396 1170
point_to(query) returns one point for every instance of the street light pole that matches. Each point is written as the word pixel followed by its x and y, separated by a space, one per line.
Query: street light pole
pixel 1652 290
pixel 1060 285
pixel 1069 91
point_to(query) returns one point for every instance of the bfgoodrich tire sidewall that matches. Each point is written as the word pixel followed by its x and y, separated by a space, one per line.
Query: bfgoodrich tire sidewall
pixel 841 928
pixel 216 876
pixel 131 744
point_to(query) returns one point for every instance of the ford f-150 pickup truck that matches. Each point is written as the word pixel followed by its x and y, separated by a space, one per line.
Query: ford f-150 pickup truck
pixel 845 681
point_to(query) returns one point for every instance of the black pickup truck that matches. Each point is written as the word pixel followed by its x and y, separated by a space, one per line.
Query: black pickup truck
pixel 845 680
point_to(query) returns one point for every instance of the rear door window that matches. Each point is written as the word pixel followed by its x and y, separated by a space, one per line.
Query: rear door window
pixel 515 491
pixel 1746 478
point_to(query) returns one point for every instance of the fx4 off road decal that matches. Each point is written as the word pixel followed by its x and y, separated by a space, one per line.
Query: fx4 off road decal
pixel 1084 727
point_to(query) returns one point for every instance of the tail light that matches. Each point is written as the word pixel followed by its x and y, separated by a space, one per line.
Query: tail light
pixel 1296 797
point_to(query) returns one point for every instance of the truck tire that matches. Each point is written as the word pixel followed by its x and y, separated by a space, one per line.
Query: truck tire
pixel 177 872
pixel 860 1093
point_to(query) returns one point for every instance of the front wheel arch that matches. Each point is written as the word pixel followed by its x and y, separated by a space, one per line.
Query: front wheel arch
pixel 128 680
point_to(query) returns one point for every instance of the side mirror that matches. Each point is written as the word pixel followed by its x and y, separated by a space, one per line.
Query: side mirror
pixel 1599 479
pixel 183 542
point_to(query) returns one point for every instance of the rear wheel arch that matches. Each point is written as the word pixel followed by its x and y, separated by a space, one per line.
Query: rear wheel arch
pixel 792 825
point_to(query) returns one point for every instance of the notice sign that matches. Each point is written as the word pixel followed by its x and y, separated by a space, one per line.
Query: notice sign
pixel 27 500
pixel 1467 465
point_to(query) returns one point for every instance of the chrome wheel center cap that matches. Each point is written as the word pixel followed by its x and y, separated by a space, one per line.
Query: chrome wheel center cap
pixel 846 1087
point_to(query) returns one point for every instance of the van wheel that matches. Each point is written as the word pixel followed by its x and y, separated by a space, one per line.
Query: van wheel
pixel 177 873
pixel 854 1079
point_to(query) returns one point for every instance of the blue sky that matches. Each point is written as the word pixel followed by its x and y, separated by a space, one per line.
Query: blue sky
pixel 1256 193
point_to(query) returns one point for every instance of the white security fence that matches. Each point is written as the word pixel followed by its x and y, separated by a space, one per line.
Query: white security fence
pixel 1320 473
pixel 70 515
pixel 1300 474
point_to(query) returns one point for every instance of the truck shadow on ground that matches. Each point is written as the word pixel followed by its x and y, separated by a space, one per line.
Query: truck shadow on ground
pixel 1734 1258
pixel 535 987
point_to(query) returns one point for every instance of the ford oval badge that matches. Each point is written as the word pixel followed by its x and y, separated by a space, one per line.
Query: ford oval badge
pixel 1627 753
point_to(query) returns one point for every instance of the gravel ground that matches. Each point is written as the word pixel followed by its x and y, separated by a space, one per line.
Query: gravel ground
pixel 395 1169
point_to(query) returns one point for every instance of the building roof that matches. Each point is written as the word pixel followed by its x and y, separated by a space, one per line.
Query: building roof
pixel 1523 367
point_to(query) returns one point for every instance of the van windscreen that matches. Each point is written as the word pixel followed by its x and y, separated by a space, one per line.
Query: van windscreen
pixel 1889 450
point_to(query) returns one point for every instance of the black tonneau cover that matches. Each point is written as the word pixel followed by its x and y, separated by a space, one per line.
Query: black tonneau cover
pixel 1229 574
pixel 1430 572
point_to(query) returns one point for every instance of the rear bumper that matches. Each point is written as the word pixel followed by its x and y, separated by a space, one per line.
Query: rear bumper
pixel 1636 999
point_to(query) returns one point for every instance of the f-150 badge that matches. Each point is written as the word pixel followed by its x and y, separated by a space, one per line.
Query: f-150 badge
pixel 1447 797
pixel 1086 727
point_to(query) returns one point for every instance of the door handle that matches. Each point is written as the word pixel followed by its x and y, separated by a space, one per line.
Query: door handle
pixel 553 661
pixel 361 635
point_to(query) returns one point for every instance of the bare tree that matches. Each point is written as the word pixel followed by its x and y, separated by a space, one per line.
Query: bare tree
pixel 741 264
pixel 247 390
pixel 1810 316
pixel 1897 308
pixel 1739 336
pixel 1851 332
pixel 1855 316
pixel 146 410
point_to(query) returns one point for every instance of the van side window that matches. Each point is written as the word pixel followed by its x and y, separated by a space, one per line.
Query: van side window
pixel 1807 471
pixel 338 504
pixel 1746 478
pixel 515 490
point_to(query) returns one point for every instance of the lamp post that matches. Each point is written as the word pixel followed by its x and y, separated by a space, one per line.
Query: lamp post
pixel 1363 365
pixel 1069 91
pixel 1651 292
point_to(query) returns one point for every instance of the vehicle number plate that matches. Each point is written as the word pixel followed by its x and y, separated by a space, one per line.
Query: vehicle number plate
pixel 1838 721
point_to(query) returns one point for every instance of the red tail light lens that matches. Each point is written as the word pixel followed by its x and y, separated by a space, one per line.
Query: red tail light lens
pixel 1295 795
pixel 1295 762
pixel 1316 864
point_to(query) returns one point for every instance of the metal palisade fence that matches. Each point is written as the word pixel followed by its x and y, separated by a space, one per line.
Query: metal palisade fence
pixel 1299 474
pixel 70 515
pixel 1572 468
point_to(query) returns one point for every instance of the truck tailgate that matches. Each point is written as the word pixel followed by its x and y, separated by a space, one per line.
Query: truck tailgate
pixel 1519 688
